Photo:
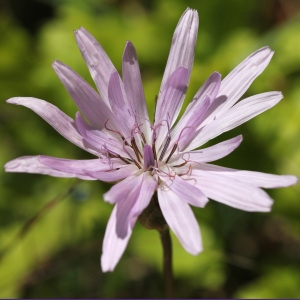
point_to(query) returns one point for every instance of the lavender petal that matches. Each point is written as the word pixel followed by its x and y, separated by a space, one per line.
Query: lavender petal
pixel 181 220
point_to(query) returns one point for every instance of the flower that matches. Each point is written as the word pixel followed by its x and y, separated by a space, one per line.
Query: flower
pixel 147 158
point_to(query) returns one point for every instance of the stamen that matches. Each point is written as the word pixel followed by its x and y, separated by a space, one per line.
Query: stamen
pixel 136 150
pixel 136 163
pixel 123 159
pixel 136 128
pixel 181 165
pixel 108 154
pixel 189 172
pixel 164 173
pixel 172 152
pixel 115 131
pixel 168 139
pixel 154 151
pixel 143 137
pixel 163 152
pixel 112 170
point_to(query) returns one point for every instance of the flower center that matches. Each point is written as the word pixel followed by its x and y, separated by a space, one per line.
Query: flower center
pixel 143 154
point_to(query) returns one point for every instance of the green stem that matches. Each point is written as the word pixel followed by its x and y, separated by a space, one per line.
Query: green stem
pixel 167 261
pixel 152 218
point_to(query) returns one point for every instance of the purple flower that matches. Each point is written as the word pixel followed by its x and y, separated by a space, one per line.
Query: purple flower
pixel 147 157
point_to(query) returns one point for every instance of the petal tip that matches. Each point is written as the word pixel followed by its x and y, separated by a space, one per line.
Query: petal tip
pixel 79 30
pixel 56 63
pixel 195 250
pixel 9 166
pixel 14 100
pixel 293 180
pixel 105 267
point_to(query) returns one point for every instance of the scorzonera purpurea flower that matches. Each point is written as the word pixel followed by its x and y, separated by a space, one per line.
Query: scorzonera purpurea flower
pixel 158 157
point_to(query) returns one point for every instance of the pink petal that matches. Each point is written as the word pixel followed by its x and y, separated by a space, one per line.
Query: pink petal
pixel 184 131
pixel 114 174
pixel 169 102
pixel 55 117
pixel 122 189
pixel 237 82
pixel 88 101
pixel 133 86
pixel 116 93
pixel 186 191
pixel 97 60
pixel 232 192
pixel 134 201
pixel 183 45
pixel 132 184
pixel 209 154
pixel 248 109
pixel 97 140
pixel 237 115
pixel 35 165
pixel 124 116
pixel 181 220
pixel 93 168
pixel 209 88
pixel 113 246
pixel 258 179
pixel 129 206
pixel 196 118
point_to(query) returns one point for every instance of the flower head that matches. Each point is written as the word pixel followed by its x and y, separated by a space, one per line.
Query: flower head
pixel 146 157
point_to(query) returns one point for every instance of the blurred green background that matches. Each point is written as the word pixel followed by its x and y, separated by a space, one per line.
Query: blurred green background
pixel 54 251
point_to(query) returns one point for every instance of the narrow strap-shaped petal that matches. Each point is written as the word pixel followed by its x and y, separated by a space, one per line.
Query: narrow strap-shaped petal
pixel 116 93
pixel 263 180
pixel 34 165
pixel 186 191
pixel 97 140
pixel 113 246
pixel 95 168
pixel 183 45
pixel 114 174
pixel 133 87
pixel 208 154
pixel 237 82
pixel 88 101
pixel 180 218
pixel 124 116
pixel 196 112
pixel 134 202
pixel 237 115
pixel 232 192
pixel 123 218
pixel 169 103
pixel 196 118
pixel 98 62
pixel 170 100
pixel 120 190
pixel 76 166
pixel 55 117
pixel 209 88
pixel 132 196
